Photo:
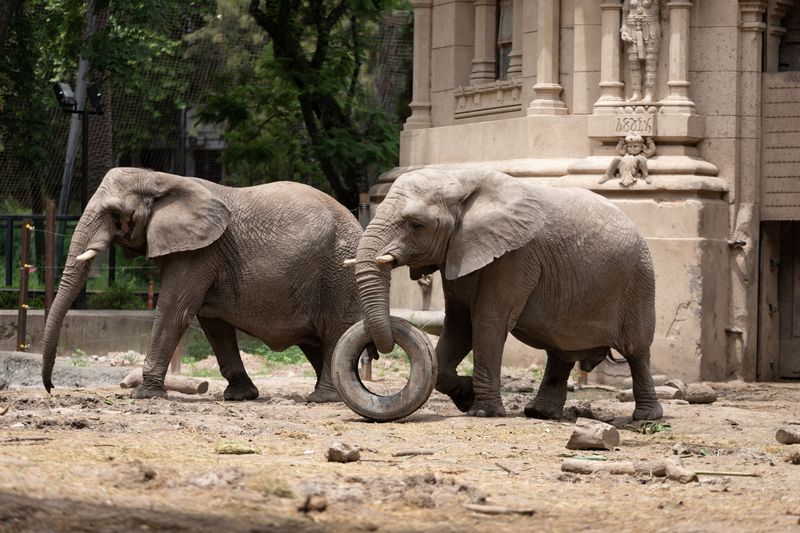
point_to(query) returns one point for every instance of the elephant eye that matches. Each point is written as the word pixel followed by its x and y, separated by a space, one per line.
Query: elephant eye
pixel 415 225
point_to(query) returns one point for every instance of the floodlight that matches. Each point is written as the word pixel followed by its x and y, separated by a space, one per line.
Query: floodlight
pixel 96 98
pixel 65 96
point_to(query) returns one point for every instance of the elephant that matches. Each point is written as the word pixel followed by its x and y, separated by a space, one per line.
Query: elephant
pixel 561 269
pixel 265 260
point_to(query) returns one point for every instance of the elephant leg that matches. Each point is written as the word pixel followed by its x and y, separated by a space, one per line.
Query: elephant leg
pixel 454 344
pixel 320 358
pixel 549 400
pixel 488 342
pixel 178 303
pixel 644 393
pixel 222 337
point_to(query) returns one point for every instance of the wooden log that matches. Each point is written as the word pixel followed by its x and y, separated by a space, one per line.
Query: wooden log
pixel 174 383
pixel 663 392
pixel 788 436
pixel 677 472
pixel 582 466
pixel 593 435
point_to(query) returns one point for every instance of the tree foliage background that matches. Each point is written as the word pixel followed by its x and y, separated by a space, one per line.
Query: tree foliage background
pixel 290 84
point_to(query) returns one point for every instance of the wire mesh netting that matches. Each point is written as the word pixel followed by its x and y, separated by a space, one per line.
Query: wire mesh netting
pixel 157 127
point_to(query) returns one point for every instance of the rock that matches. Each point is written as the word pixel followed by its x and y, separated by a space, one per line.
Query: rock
pixel 593 435
pixel 520 385
pixel 793 458
pixel 339 452
pixel 658 379
pixel 700 393
pixel 788 436
pixel 662 393
pixel 585 409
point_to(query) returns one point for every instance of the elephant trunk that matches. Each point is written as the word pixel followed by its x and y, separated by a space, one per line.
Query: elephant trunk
pixel 374 280
pixel 72 280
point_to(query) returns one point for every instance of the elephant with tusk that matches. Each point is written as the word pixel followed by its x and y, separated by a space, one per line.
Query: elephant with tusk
pixel 561 269
pixel 265 260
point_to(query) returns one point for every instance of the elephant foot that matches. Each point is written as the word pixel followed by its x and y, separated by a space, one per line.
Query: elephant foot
pixel 240 392
pixel 544 410
pixel 650 410
pixel 141 393
pixel 487 409
pixel 321 395
pixel 459 388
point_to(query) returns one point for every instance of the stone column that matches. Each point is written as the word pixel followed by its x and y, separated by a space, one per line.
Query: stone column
pixel 746 195
pixel 547 88
pixel 678 101
pixel 421 88
pixel 775 31
pixel 515 57
pixel 611 87
pixel 483 62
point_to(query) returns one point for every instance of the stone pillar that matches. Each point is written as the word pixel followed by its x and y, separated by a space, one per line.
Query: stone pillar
pixel 547 88
pixel 515 57
pixel 483 62
pixel 745 216
pixel 611 87
pixel 678 101
pixel 421 89
pixel 775 31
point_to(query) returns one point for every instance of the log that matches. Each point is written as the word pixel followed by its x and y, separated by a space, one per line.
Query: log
pixel 663 392
pixel 173 383
pixel 788 436
pixel 677 472
pixel 582 466
pixel 593 435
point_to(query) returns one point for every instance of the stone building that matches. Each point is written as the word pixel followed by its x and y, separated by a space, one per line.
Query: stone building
pixel 546 90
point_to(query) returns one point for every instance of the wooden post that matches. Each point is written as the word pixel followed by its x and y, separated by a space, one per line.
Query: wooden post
pixel 24 269
pixel 49 256
pixel 175 363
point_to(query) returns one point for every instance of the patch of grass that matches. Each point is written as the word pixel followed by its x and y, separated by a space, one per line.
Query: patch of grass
pixel 79 358
pixel 291 356
pixel 466 366
pixel 203 372
pixel 650 428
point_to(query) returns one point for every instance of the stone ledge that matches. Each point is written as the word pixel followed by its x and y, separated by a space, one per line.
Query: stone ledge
pixel 670 173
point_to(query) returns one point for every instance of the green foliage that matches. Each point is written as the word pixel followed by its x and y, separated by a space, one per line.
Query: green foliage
pixel 116 297
pixel 10 300
pixel 199 349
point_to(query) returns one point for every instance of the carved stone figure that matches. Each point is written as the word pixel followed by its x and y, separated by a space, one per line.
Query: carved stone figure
pixel 632 163
pixel 561 269
pixel 641 32
pixel 265 260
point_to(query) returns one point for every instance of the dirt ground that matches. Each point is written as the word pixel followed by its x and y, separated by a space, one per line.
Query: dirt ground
pixel 92 459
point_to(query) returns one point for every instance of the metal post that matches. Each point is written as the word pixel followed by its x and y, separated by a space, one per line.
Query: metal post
pixel 9 251
pixel 49 256
pixel 112 265
pixel 363 209
pixel 24 269
pixel 85 159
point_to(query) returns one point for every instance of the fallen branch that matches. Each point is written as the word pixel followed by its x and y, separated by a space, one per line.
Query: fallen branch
pixel 5 409
pixel 411 453
pixel 25 439
pixel 506 468
pixel 739 474
pixel 174 383
pixel 496 509
pixel 593 435
pixel 788 436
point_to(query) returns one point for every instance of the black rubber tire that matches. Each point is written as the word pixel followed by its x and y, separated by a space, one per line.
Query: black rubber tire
pixel 356 396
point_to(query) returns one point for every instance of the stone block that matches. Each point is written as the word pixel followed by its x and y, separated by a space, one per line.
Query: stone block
pixel 714 49
pixel 714 93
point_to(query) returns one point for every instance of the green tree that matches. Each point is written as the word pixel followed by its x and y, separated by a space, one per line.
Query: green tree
pixel 317 52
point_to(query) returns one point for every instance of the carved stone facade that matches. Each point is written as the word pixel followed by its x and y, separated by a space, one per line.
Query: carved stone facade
pixel 547 89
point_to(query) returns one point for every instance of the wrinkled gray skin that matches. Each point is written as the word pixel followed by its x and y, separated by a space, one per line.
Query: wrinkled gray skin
pixel 561 269
pixel 265 260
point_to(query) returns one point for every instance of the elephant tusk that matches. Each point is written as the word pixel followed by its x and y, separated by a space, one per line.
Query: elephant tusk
pixel 349 262
pixel 88 254
pixel 384 259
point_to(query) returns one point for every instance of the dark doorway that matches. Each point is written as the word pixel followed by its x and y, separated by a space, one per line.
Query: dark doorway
pixel 789 302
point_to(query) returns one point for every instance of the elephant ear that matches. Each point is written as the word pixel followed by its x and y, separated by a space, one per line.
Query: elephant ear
pixel 185 216
pixel 499 216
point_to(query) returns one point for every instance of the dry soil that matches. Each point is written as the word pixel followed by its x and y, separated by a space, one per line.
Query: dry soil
pixel 92 459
